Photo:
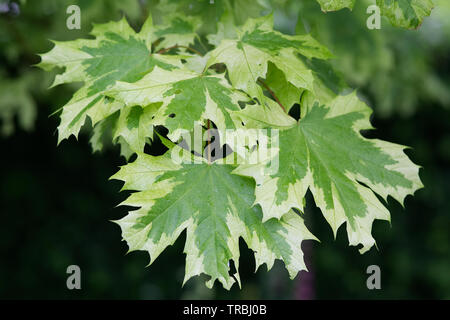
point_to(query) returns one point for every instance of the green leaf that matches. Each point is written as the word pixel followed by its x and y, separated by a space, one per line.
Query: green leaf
pixel 117 53
pixel 247 57
pixel 226 29
pixel 15 100
pixel 326 153
pixel 215 208
pixel 209 12
pixel 135 125
pixel 103 133
pixel 406 13
pixel 401 13
pixel 333 5
pixel 286 92
pixel 272 116
pixel 125 149
pixel 180 30
pixel 188 98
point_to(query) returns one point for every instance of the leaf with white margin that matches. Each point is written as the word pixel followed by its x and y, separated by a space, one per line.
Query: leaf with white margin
pixel 179 30
pixel 406 13
pixel 401 13
pixel 215 207
pixel 102 133
pixel 226 29
pixel 286 92
pixel 247 56
pixel 117 53
pixel 309 157
pixel 188 98
pixel 135 125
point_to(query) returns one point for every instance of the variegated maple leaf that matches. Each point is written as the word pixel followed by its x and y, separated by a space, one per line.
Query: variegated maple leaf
pixel 178 30
pixel 188 98
pixel 116 53
pixel 326 153
pixel 401 13
pixel 406 13
pixel 333 5
pixel 215 207
pixel 257 44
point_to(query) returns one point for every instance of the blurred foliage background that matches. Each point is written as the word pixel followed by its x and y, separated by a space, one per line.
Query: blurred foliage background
pixel 56 202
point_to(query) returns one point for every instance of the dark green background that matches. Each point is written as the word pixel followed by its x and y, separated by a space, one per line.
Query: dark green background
pixel 56 202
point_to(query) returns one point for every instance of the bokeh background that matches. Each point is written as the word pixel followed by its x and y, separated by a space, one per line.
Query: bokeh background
pixel 56 203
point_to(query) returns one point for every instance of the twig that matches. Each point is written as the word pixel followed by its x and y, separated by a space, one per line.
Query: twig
pixel 272 94
pixel 164 50
pixel 209 140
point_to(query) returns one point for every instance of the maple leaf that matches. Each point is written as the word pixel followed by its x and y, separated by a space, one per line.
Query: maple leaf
pixel 401 13
pixel 226 29
pixel 15 99
pixel 333 5
pixel 117 53
pixel 406 13
pixel 343 176
pixel 247 57
pixel 286 92
pixel 187 98
pixel 135 125
pixel 178 30
pixel 102 133
pixel 210 12
pixel 215 207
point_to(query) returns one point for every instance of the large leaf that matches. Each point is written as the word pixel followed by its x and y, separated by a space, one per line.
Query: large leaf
pixel 326 153
pixel 215 207
pixel 117 53
pixel 188 98
pixel 247 56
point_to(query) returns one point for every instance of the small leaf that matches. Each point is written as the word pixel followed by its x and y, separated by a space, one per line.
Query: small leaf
pixel 135 125
pixel 286 92
pixel 406 13
pixel 334 5
pixel 180 30
pixel 15 99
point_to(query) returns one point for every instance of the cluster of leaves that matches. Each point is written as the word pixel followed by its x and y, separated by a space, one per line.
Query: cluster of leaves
pixel 395 67
pixel 24 29
pixel 373 63
pixel 248 76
